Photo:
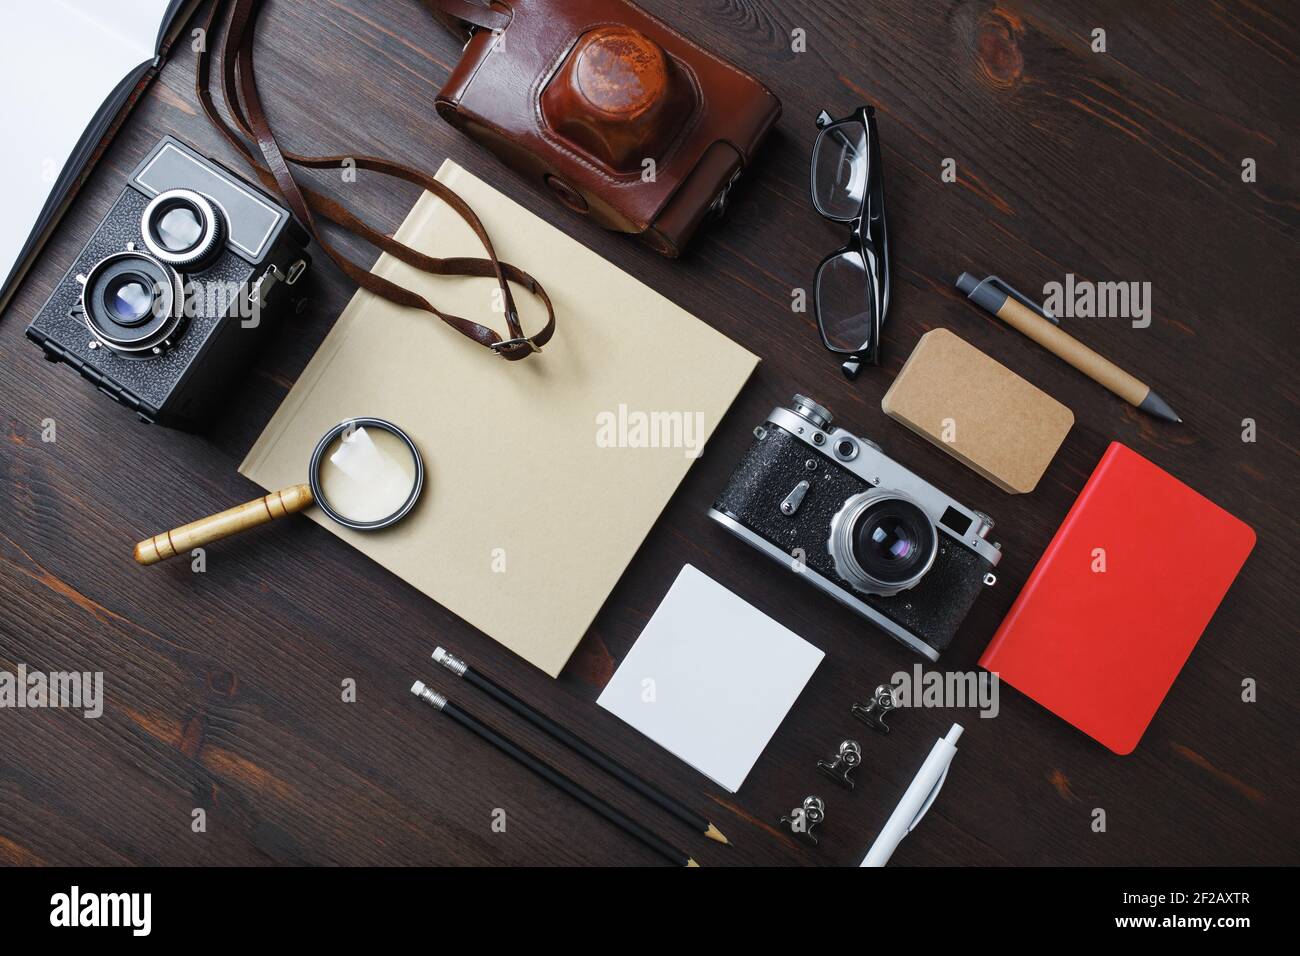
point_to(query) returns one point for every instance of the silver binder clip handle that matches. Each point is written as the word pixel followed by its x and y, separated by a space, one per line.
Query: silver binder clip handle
pixel 883 700
pixel 840 767
pixel 803 819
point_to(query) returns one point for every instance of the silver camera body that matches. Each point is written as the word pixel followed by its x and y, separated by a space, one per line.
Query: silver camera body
pixel 861 527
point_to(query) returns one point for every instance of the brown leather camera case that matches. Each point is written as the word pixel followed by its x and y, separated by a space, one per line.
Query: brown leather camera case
pixel 621 117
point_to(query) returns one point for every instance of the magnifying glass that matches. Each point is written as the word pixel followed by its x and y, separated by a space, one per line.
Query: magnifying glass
pixel 365 474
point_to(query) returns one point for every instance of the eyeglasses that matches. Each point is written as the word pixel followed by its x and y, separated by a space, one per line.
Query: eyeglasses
pixel 851 288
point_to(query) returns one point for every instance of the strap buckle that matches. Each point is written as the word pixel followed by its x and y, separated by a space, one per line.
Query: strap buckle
pixel 509 345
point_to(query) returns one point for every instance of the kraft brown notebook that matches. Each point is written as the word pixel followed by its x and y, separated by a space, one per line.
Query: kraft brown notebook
pixel 543 476
pixel 978 410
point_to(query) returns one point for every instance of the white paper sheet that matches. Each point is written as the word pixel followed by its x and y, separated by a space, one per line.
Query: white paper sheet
pixel 710 678
pixel 59 61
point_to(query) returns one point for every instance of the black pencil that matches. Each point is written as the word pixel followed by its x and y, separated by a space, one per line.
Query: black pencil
pixel 547 772
pixel 576 743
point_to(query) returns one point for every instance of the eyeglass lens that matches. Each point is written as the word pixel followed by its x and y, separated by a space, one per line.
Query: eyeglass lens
pixel 844 302
pixel 840 170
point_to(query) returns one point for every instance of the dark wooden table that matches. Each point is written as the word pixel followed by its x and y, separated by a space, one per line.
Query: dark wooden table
pixel 224 688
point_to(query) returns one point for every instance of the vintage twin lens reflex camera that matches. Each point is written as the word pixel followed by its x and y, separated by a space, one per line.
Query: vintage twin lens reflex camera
pixel 873 535
pixel 176 288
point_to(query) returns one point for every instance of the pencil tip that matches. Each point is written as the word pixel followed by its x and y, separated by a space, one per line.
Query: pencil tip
pixel 1153 404
pixel 713 833
pixel 690 862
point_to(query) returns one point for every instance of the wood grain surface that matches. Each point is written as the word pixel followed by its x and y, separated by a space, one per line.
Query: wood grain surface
pixel 224 689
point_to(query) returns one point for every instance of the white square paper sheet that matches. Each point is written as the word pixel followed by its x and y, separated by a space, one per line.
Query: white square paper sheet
pixel 710 678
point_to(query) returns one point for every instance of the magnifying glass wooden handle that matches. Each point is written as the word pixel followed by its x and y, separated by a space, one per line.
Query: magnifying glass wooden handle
pixel 277 504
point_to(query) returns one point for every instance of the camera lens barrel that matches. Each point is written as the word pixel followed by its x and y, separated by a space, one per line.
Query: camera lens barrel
pixel 182 228
pixel 882 542
pixel 132 303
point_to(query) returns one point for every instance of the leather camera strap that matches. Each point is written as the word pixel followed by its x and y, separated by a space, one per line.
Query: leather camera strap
pixel 465 14
pixel 239 88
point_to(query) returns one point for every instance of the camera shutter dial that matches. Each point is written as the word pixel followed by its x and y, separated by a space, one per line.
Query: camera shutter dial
pixel 183 228
pixel 816 415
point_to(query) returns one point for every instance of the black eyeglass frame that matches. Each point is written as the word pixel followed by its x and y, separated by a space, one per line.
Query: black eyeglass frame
pixel 868 237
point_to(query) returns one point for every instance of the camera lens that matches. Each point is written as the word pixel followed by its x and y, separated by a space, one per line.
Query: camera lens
pixel 128 299
pixel 183 229
pixel 132 303
pixel 179 228
pixel 882 542
pixel 892 539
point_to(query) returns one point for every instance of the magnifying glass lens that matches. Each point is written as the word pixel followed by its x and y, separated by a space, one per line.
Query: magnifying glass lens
pixel 368 476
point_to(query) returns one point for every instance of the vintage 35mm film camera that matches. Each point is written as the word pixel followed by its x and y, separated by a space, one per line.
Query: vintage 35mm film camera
pixel 860 526
pixel 176 288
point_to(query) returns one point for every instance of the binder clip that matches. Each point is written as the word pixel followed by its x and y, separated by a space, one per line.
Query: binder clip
pixel 802 820
pixel 845 761
pixel 883 700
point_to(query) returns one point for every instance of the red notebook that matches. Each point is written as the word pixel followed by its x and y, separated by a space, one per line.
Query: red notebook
pixel 1119 599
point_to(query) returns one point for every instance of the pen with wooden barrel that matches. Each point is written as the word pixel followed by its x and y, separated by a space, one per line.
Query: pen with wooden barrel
pixel 577 744
pixel 551 775
pixel 1026 317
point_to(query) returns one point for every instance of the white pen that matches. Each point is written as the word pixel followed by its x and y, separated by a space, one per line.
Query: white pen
pixel 916 801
